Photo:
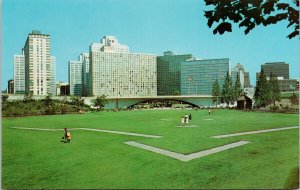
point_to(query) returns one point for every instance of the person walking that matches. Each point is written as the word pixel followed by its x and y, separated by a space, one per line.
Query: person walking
pixel 208 111
pixel 186 118
pixel 182 120
pixel 190 116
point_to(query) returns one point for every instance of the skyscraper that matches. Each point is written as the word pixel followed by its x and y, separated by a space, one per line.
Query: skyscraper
pixel 52 75
pixel 79 75
pixel 37 63
pixel 117 73
pixel 10 86
pixel 168 73
pixel 75 78
pixel 198 76
pixel 19 74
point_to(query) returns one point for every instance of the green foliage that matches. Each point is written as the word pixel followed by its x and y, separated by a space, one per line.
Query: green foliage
pixel 274 89
pixel 237 91
pixel 28 97
pixel 250 14
pixel 227 91
pixel 216 93
pixel 100 102
pixel 262 91
pixel 294 99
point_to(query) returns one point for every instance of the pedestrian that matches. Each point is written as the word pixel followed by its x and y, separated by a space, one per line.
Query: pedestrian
pixel 186 118
pixel 182 120
pixel 190 116
pixel 208 111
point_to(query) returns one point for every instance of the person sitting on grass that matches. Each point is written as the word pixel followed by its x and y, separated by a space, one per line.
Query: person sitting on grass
pixel 67 136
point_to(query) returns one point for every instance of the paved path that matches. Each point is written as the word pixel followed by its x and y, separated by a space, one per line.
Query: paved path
pixel 89 129
pixel 183 157
pixel 120 133
pixel 254 132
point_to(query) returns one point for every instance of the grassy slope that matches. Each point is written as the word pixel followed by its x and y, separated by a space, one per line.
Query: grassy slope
pixel 37 159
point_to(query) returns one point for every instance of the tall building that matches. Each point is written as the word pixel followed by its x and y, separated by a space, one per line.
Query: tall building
pixel 168 73
pixel 280 69
pixel 198 76
pixel 10 86
pixel 244 76
pixel 84 58
pixel 79 75
pixel 52 75
pixel 75 78
pixel 37 64
pixel 246 80
pixel 19 74
pixel 117 73
pixel 282 72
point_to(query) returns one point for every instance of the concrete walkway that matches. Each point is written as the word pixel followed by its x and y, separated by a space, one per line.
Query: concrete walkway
pixel 255 132
pixel 120 133
pixel 183 157
pixel 89 129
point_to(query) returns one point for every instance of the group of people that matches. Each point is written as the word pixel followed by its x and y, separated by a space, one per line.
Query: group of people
pixel 186 118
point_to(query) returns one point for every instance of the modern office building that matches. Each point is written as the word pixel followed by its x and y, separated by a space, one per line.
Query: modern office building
pixel 19 74
pixel 38 64
pixel 10 86
pixel 62 89
pixel 282 72
pixel 247 80
pixel 75 78
pixel 198 76
pixel 117 73
pixel 168 73
pixel 280 69
pixel 52 75
pixel 84 58
pixel 79 75
pixel 238 69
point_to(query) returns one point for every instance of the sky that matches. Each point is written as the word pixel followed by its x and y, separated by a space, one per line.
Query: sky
pixel 146 26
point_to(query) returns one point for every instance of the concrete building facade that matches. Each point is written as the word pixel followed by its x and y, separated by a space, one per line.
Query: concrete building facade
pixel 37 64
pixel 117 73
pixel 19 74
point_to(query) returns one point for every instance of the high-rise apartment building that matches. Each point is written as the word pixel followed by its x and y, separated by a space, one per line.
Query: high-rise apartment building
pixel 198 76
pixel 37 64
pixel 117 73
pixel 168 73
pixel 19 74
pixel 84 58
pixel 246 80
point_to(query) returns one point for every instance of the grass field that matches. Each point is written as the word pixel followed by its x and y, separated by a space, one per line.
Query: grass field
pixel 37 159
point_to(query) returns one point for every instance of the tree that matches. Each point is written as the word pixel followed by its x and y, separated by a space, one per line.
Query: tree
pixel 294 99
pixel 216 92
pixel 262 93
pixel 227 91
pixel 252 13
pixel 237 87
pixel 77 101
pixel 274 89
pixel 28 96
pixel 100 101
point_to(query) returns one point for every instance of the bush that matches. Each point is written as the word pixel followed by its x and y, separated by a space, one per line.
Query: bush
pixel 274 107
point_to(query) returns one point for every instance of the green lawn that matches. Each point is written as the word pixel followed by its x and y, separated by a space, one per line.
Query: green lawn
pixel 93 160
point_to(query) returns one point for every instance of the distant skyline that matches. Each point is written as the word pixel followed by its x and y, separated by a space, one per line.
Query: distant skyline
pixel 146 26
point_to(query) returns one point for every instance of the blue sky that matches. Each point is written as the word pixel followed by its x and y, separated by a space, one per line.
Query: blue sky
pixel 146 26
